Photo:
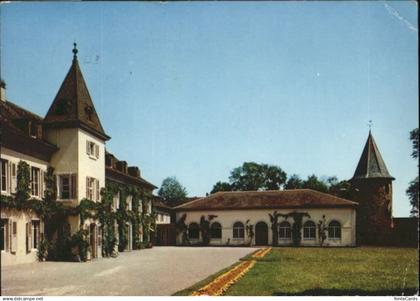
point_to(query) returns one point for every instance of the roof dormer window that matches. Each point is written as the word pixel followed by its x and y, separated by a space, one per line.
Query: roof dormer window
pixel 89 112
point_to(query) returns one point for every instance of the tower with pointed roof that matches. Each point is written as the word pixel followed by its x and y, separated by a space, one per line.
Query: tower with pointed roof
pixel 371 187
pixel 73 125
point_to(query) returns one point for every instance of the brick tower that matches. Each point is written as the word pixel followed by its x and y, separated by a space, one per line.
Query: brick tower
pixel 371 187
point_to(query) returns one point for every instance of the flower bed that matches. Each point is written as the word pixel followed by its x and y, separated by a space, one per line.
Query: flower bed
pixel 219 285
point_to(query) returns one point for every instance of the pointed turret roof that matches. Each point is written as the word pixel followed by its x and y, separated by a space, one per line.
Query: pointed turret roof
pixel 371 164
pixel 73 106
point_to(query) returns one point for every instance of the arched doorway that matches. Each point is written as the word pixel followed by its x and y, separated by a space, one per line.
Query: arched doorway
pixel 261 233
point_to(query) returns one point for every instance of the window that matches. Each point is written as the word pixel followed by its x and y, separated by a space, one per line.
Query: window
pixel 35 234
pixel 67 186
pixel 35 181
pixel 334 230
pixel 193 232
pixel 129 202
pixel 238 230
pixel 285 230
pixel 92 149
pixel 4 177
pixel 216 231
pixel 309 230
pixel 92 189
pixel 4 239
pixel 116 201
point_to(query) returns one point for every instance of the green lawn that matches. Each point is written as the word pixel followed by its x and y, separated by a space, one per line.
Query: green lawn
pixel 332 271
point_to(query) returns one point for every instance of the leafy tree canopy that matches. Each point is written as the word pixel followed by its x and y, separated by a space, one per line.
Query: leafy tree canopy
pixel 253 176
pixel 221 186
pixel 172 191
pixel 413 188
pixel 332 185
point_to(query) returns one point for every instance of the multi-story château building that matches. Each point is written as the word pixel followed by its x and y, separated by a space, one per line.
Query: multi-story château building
pixel 70 140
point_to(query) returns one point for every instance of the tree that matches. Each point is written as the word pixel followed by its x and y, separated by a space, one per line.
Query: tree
pixel 312 182
pixel 339 188
pixel 413 188
pixel 294 182
pixel 254 176
pixel 172 191
pixel 414 137
pixel 221 186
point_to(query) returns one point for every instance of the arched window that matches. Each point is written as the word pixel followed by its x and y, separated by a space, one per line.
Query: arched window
pixel 216 230
pixel 334 230
pixel 309 230
pixel 193 232
pixel 238 230
pixel 284 230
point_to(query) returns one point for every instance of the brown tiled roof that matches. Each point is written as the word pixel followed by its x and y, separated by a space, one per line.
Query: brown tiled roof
pixel 118 176
pixel 73 105
pixel 295 198
pixel 371 164
pixel 17 137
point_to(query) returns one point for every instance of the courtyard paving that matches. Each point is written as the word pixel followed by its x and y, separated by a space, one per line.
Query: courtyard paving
pixel 160 271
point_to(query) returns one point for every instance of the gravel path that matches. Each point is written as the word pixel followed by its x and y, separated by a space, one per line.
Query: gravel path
pixel 160 271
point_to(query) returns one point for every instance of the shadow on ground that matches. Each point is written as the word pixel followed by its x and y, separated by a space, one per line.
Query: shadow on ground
pixel 339 292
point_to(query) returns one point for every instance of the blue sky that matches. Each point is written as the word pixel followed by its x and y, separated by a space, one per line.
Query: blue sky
pixel 193 90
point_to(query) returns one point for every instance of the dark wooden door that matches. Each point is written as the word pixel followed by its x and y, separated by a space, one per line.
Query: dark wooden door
pixel 93 240
pixel 261 234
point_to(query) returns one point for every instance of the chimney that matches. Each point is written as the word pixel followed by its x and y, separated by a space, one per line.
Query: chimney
pixel 3 90
pixel 122 166
pixel 134 171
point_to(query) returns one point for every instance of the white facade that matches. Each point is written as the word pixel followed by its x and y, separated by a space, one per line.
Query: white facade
pixel 346 217
pixel 21 230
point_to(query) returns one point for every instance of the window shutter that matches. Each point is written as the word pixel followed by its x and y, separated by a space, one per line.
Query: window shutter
pixel 96 151
pixel 41 229
pixel 58 186
pixel 87 187
pixel 41 183
pixel 8 173
pixel 7 236
pixel 73 186
pixel 97 190
pixel 87 147
pixel 13 240
pixel 28 237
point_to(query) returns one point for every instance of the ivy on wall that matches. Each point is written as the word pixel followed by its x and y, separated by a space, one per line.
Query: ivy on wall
pixel 58 243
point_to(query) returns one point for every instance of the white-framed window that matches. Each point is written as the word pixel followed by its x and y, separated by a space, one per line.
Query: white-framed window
pixel 92 189
pixel 92 149
pixel 35 181
pixel 4 175
pixel 130 202
pixel 238 230
pixel 4 239
pixel 67 186
pixel 309 230
pixel 116 201
pixel 35 234
pixel 334 230
pixel 140 206
pixel 285 230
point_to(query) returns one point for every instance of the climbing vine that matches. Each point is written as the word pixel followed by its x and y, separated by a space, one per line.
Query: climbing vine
pixel 57 243
pixel 205 228
pixel 297 225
